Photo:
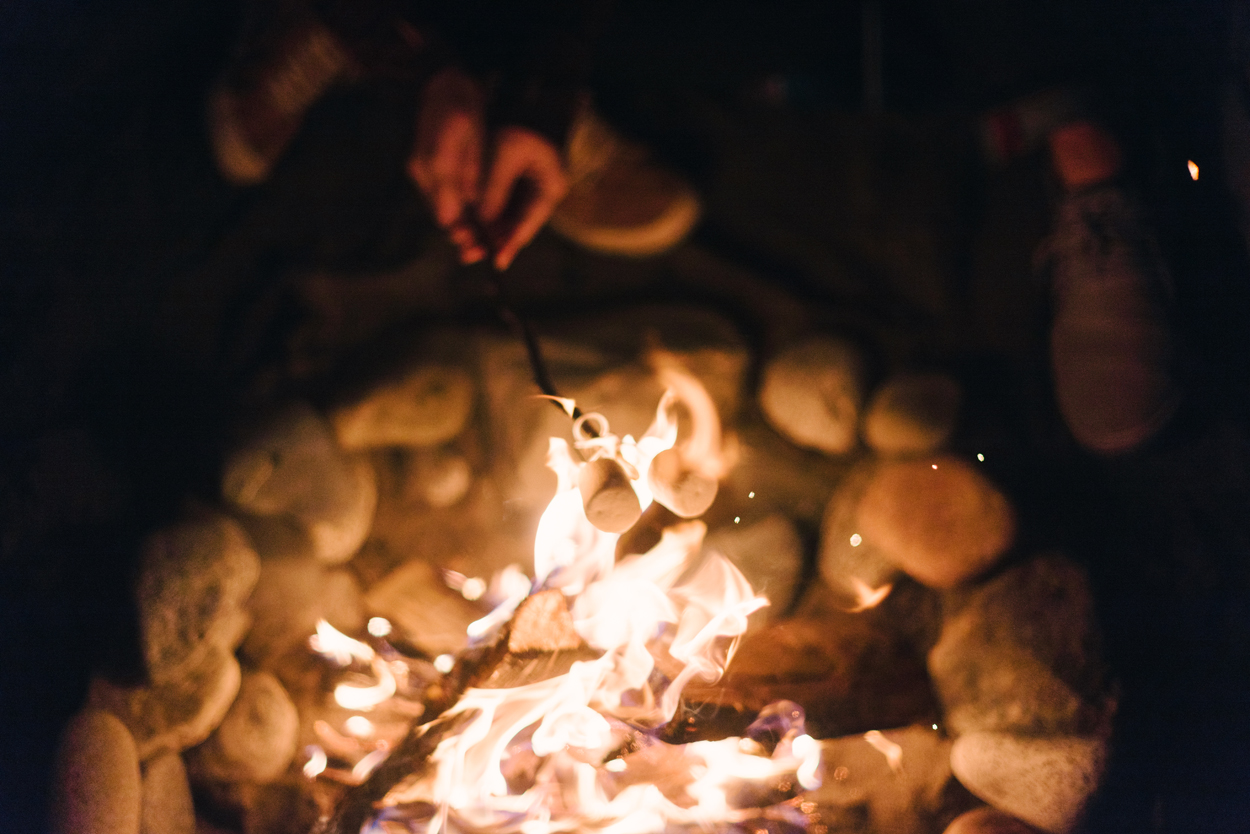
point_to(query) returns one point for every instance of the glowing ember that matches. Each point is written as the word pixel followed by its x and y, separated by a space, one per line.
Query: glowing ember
pixel 867 597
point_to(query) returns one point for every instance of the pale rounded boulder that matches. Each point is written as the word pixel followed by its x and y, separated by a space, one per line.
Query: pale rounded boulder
pixel 912 414
pixel 97 787
pixel 256 740
pixel 295 468
pixel 429 406
pixel 812 394
pixel 194 580
pixel 987 820
pixel 1046 782
pixel 937 518
pixel 167 804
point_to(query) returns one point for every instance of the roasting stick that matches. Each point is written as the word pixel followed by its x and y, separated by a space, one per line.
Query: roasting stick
pixel 610 501
pixel 521 327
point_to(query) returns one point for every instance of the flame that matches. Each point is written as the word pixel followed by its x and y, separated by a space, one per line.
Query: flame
pixel 577 751
pixel 334 644
pixel 867 597
pixel 893 752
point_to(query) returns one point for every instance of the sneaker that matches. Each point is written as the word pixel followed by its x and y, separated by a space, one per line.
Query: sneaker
pixel 256 111
pixel 620 202
pixel 1111 345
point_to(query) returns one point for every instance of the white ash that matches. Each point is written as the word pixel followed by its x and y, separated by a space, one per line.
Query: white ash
pixel 194 580
pixel 176 715
pixel 912 414
pixel 1046 782
pixel 427 406
pixel 167 804
pixel 295 468
pixel 256 740
pixel 96 787
pixel 1021 653
pixel 812 393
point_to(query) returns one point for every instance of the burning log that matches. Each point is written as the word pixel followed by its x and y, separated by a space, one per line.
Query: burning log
pixel 538 643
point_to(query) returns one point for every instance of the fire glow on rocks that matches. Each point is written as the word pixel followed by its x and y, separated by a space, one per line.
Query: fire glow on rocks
pixel 581 750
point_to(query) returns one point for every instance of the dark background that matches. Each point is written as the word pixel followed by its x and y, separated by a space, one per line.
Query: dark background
pixel 145 304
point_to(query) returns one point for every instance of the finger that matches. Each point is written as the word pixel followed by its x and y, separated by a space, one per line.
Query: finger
pixel 505 170
pixel 550 190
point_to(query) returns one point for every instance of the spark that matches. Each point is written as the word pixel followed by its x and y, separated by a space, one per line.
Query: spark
pixel 980 457
pixel 1193 170
pixel 856 539
pixel 444 663
pixel 935 466
pixel 359 726
pixel 737 518
pixel 379 626
pixel 750 495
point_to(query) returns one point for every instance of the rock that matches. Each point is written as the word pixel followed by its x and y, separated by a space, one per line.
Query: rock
pixel 855 567
pixel 770 555
pixel 176 715
pixel 861 791
pixel 937 518
pixel 912 414
pixel 292 594
pixel 96 787
pixel 429 406
pixel 438 477
pixel 286 807
pixel 428 613
pixel 608 497
pixel 167 804
pixel 987 821
pixel 256 740
pixel 295 468
pixel 812 393
pixel 1021 653
pixel 194 580
pixel 1046 782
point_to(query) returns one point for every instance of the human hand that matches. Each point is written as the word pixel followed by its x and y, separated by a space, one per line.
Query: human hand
pixel 446 161
pixel 525 183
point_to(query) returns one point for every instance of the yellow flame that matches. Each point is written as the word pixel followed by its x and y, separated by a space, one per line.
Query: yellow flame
pixel 892 751
pixel 867 597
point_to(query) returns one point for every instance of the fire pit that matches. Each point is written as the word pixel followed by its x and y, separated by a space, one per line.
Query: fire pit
pixel 389 623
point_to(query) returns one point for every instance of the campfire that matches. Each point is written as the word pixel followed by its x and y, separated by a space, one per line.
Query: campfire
pixel 441 605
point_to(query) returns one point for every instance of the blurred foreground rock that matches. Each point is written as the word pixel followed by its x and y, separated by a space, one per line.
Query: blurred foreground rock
pixel 912 414
pixel 97 787
pixel 194 580
pixel 812 393
pixel 173 716
pixel 256 739
pixel 1046 782
pixel 295 468
pixel 937 518
pixel 428 406
pixel 293 593
pixel 1021 653
pixel 167 804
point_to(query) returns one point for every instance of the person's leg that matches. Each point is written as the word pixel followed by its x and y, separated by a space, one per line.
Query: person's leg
pixel 1110 341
